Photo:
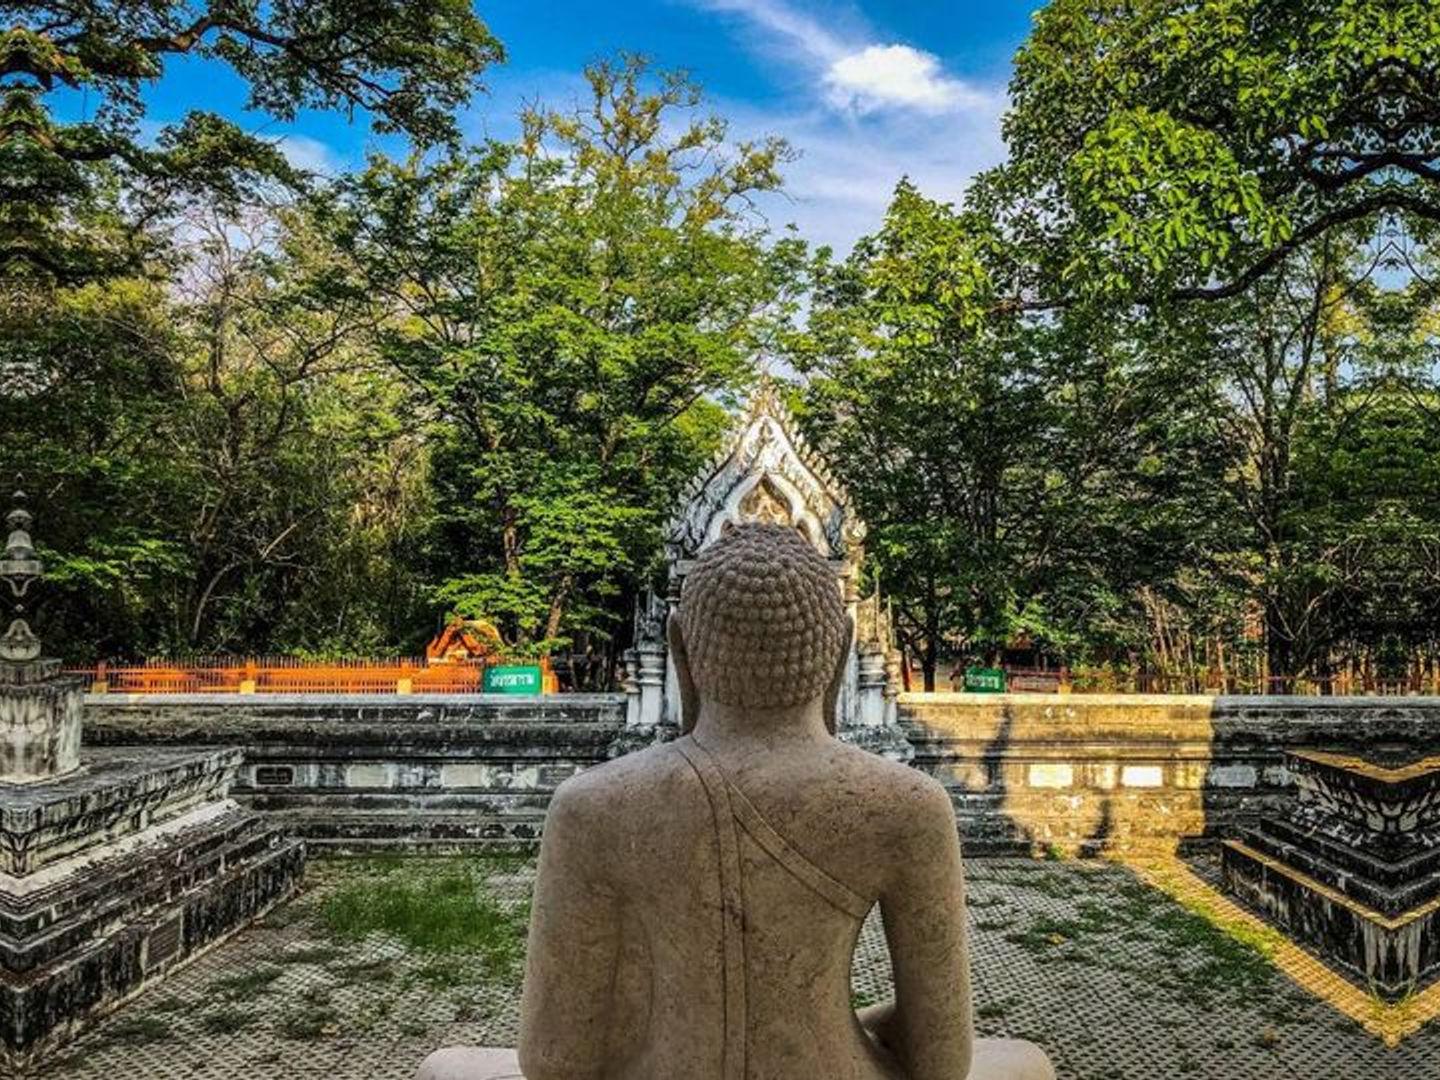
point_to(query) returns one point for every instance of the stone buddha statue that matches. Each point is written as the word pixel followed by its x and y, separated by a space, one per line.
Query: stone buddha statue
pixel 698 903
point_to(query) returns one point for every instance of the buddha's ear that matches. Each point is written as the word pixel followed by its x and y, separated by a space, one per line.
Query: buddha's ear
pixel 832 692
pixel 689 696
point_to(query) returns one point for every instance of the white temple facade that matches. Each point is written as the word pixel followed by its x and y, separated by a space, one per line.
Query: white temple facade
pixel 766 472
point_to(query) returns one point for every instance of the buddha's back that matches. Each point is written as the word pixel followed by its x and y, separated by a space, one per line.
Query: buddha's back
pixel 698 903
pixel 740 879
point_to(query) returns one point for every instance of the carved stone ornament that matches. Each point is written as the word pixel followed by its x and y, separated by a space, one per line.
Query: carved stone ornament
pixel 766 473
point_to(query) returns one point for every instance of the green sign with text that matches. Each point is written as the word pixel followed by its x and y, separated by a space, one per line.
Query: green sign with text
pixel 984 680
pixel 513 679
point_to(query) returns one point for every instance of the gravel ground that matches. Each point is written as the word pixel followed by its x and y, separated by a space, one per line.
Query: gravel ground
pixel 1114 978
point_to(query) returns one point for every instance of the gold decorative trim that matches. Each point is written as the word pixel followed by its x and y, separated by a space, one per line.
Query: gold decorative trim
pixel 1391 1023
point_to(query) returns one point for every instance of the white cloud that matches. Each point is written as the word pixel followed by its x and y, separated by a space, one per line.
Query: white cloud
pixel 311 155
pixel 852 152
pixel 880 76
pixel 872 112
pixel 842 183
pixel 780 20
pixel 858 74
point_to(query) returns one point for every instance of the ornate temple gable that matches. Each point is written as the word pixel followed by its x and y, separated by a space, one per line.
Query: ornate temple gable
pixel 766 472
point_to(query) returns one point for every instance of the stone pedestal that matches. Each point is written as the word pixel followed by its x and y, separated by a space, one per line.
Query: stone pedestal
pixel 1352 868
pixel 112 876
pixel 871 702
pixel 114 870
pixel 39 722
pixel 650 677
pixel 114 867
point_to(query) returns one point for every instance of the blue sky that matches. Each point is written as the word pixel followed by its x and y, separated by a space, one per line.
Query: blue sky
pixel 866 90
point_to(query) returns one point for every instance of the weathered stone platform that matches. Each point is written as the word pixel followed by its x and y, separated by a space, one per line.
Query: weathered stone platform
pixel 1065 953
pixel 119 793
pixel 1351 867
pixel 432 772
pixel 1028 773
pixel 114 875
pixel 40 714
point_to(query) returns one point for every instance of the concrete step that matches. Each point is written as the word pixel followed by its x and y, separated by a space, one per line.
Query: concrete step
pixel 419 800
pixel 1391 956
pixel 63 918
pixel 332 830
pixel 49 1005
pixel 1391 888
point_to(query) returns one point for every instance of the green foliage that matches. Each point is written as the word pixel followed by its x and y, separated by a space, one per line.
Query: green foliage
pixel 222 469
pixel 1141 398
pixel 408 64
pixel 566 310
pixel 1021 479
pixel 1157 394
pixel 1173 150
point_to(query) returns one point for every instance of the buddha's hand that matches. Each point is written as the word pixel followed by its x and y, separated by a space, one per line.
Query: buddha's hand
pixel 879 1023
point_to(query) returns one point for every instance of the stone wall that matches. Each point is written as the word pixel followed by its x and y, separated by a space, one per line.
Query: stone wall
pixel 1095 772
pixel 354 773
pixel 1027 772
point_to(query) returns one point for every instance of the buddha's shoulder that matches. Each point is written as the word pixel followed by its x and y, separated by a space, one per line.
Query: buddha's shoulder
pixel 892 777
pixel 886 795
pixel 621 779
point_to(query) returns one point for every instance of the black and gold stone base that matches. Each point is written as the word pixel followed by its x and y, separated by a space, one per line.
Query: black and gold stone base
pixel 1352 868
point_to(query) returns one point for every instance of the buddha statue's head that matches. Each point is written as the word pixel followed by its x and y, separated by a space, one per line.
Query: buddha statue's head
pixel 760 625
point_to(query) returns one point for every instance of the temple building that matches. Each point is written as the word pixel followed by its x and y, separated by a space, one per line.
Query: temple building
pixel 766 472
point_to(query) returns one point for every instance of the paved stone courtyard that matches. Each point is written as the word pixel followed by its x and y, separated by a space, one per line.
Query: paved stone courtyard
pixel 1112 976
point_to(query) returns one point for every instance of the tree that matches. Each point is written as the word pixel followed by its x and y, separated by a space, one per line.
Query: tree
pixel 1164 284
pixel 1021 479
pixel 300 467
pixel 91 378
pixel 407 63
pixel 567 310
pixel 1171 150
pixel 220 465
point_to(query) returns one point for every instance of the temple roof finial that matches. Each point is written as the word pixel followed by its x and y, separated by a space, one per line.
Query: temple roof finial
pixel 18 569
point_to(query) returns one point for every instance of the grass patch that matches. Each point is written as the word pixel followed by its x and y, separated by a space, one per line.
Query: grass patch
pixel 440 973
pixel 1046 933
pixel 1211 955
pixel 994 924
pixel 379 970
pixel 985 901
pixel 445 913
pixel 994 1010
pixel 245 984
pixel 1233 957
pixel 1046 882
pixel 372 1013
pixel 139 1030
pixel 314 954
pixel 226 1018
pixel 311 1022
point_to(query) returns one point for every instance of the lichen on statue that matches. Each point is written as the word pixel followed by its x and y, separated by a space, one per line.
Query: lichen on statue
pixel 697 903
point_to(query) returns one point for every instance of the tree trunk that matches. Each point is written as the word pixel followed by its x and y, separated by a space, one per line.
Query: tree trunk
pixel 1279 654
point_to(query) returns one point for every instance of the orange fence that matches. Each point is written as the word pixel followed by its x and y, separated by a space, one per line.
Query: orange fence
pixel 288 675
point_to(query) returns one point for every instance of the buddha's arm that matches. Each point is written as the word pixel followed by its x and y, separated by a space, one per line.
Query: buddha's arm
pixel 931 1031
pixel 565 1023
